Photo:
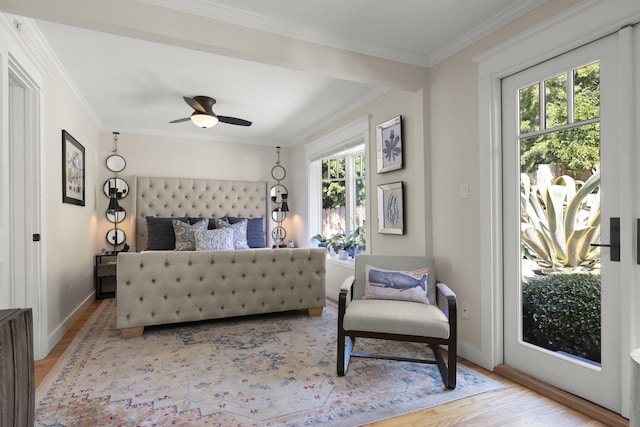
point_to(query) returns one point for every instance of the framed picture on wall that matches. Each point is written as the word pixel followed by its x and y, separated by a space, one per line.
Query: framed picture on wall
pixel 391 208
pixel 389 144
pixel 73 170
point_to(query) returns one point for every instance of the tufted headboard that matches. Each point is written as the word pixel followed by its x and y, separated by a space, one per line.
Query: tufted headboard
pixel 206 198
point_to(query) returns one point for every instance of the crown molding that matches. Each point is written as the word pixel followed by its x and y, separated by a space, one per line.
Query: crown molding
pixel 33 43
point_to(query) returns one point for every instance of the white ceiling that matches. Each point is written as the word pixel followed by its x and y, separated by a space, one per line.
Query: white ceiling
pixel 133 85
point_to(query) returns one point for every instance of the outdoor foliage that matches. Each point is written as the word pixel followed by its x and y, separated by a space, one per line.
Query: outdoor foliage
pixel 576 149
pixel 561 312
pixel 560 221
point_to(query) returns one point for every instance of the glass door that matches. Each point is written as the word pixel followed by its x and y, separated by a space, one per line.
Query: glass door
pixel 560 193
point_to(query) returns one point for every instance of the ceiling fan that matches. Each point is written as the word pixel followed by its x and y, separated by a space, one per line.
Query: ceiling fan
pixel 203 115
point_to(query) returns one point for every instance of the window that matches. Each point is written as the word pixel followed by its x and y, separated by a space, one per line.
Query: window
pixel 337 180
pixel 343 191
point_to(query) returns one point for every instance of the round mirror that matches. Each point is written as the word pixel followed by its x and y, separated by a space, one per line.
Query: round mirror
pixel 278 172
pixel 116 217
pixel 116 163
pixel 117 186
pixel 278 193
pixel 116 236
pixel 278 215
pixel 278 234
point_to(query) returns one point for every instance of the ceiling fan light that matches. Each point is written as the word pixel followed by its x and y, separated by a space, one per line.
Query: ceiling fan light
pixel 204 120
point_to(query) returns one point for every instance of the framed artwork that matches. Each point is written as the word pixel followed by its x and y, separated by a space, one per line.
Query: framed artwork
pixel 73 164
pixel 391 208
pixel 389 144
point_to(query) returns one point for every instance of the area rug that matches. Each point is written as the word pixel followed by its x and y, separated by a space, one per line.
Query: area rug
pixel 268 370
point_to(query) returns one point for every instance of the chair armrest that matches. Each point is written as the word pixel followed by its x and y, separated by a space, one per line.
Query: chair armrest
pixel 342 298
pixel 347 284
pixel 446 300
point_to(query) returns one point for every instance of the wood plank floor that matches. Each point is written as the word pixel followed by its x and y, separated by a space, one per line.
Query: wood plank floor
pixel 514 405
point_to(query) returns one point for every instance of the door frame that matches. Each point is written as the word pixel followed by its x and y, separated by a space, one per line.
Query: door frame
pixel 16 66
pixel 576 27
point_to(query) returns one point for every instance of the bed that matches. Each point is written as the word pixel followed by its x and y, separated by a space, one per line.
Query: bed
pixel 157 287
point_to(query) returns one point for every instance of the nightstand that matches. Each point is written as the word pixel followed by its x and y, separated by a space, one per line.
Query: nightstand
pixel 105 268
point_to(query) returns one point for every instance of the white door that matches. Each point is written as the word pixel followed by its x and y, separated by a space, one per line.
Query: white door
pixel 20 195
pixel 561 295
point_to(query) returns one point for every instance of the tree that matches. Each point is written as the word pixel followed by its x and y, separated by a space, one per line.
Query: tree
pixel 577 149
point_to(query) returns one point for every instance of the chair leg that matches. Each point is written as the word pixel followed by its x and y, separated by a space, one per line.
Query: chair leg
pixel 448 373
pixel 340 357
pixel 345 346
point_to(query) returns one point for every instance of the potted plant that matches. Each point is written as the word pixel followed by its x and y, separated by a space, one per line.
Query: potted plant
pixel 341 243
pixel 322 241
pixel 359 239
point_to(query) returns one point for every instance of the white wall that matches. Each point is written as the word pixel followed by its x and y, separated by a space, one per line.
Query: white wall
pixel 69 234
pixel 455 151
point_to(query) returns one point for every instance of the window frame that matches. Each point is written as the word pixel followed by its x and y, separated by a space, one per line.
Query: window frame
pixel 343 139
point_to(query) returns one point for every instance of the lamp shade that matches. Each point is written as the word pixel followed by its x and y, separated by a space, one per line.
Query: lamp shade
pixel 113 205
pixel 204 120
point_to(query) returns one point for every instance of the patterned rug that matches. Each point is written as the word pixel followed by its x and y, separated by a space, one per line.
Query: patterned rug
pixel 253 371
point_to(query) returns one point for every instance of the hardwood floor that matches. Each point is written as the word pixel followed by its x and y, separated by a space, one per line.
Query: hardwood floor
pixel 514 405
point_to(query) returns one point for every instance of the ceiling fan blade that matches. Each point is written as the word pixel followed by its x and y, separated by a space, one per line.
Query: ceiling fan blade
pixel 203 104
pixel 193 103
pixel 234 121
pixel 180 120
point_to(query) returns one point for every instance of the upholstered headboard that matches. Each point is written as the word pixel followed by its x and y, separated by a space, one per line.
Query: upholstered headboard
pixel 205 198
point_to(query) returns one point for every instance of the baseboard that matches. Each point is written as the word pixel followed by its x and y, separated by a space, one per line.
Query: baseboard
pixel 570 400
pixel 62 328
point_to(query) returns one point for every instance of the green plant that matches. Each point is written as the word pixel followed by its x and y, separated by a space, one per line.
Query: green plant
pixel 359 238
pixel 322 241
pixel 560 221
pixel 561 312
pixel 340 241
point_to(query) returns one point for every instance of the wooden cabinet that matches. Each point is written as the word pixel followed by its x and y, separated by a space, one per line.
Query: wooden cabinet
pixel 17 384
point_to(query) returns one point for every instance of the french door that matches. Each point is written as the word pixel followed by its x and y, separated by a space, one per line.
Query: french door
pixel 562 196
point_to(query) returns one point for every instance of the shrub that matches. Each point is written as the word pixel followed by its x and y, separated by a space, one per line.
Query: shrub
pixel 561 312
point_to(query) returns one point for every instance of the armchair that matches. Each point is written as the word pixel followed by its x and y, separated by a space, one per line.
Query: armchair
pixel 432 324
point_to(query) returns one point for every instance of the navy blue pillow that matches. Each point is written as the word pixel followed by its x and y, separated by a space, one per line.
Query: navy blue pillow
pixel 212 222
pixel 160 233
pixel 255 231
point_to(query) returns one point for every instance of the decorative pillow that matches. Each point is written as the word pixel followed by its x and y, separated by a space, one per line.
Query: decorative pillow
pixel 239 232
pixel 160 233
pixel 185 240
pixel 255 231
pixel 212 221
pixel 214 240
pixel 396 285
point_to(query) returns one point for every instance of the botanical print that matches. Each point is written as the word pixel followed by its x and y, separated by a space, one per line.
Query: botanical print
pixel 391 148
pixel 389 144
pixel 390 208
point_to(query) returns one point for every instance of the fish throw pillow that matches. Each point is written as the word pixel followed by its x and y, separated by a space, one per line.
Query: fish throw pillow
pixel 396 285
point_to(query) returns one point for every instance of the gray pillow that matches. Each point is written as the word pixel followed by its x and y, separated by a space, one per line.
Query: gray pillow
pixel 214 240
pixel 255 231
pixel 239 232
pixel 185 239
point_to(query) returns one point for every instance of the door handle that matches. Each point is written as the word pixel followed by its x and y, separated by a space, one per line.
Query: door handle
pixel 614 235
pixel 638 241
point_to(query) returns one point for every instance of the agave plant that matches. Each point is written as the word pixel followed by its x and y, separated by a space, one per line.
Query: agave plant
pixel 560 221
